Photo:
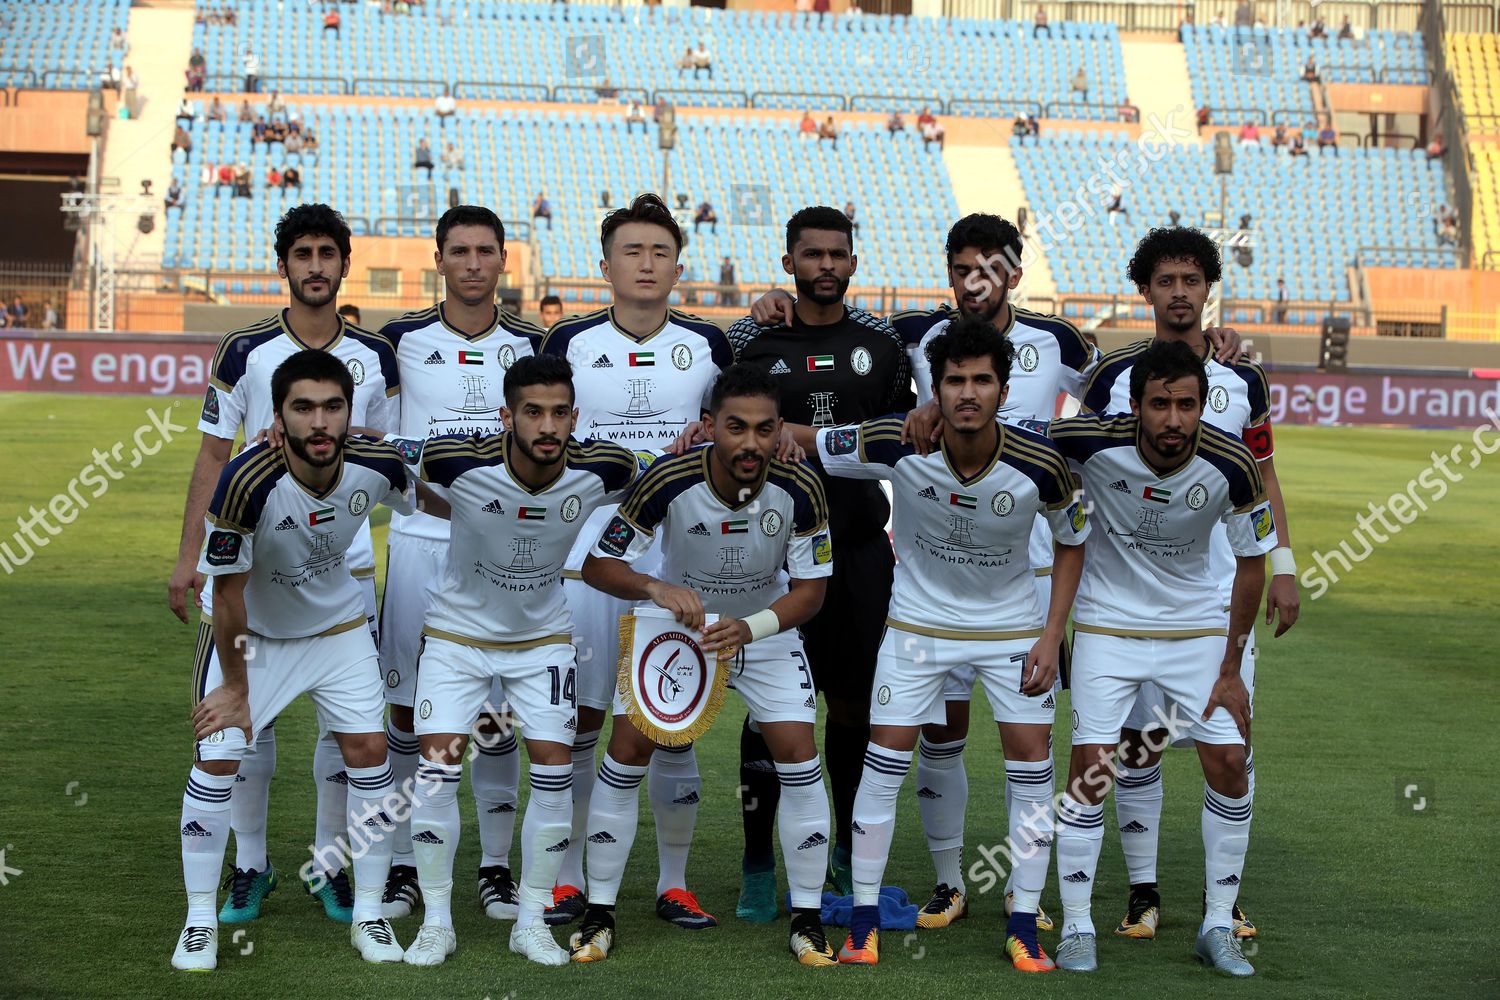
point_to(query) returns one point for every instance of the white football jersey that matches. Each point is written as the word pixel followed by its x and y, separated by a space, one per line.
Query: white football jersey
pixel 736 555
pixel 1239 403
pixel 292 541
pixel 239 391
pixel 1147 570
pixel 502 583
pixel 640 392
pixel 962 566
pixel 452 383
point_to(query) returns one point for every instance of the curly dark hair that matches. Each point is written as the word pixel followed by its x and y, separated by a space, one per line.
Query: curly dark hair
pixel 1174 243
pixel 965 338
pixel 311 220
pixel 989 233
pixel 1167 360
pixel 742 380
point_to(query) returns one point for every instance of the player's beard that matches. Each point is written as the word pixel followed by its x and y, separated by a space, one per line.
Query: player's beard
pixel 742 477
pixel 1182 322
pixel 1170 451
pixel 528 448
pixel 808 288
pixel 299 448
pixel 314 301
pixel 987 311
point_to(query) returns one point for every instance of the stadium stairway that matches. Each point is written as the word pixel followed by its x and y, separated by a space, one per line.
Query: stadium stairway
pixel 160 43
pixel 985 179
pixel 1156 77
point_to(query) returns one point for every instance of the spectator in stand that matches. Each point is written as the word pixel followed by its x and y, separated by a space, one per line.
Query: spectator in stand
pixel 174 195
pixel 686 61
pixel 1034 127
pixel 251 63
pixel 216 111
pixel 132 85
pixel 635 115
pixel 181 140
pixel 276 107
pixel 444 107
pixel 1244 15
pixel 1174 218
pixel 292 178
pixel 821 8
pixel 1019 129
pixel 1203 117
pixel 310 144
pixel 241 181
pixel 1310 70
pixel 1279 314
pixel 1346 30
pixel 1328 139
pixel 541 208
pixel 895 124
pixel 1299 146
pixel 119 46
pixel 1185 26
pixel 1250 135
pixel 423 157
pixel 1318 29
pixel 1435 149
pixel 453 157
pixel 1117 204
pixel 19 314
pixel 659 109
pixel 259 132
pixel 829 132
pixel 50 319
pixel 1039 22
pixel 1081 85
pixel 1128 113
pixel 606 200
pixel 273 177
pixel 331 22
pixel 293 144
pixel 702 61
pixel 551 308
pixel 705 213
pixel 932 130
pixel 246 114
pixel 808 129
pixel 729 293
pixel 1279 138
pixel 606 91
pixel 350 311
pixel 849 211
pixel 226 174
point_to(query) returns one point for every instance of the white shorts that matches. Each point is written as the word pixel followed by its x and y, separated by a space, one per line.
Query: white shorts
pixel 596 633
pixel 340 672
pixel 539 685
pixel 774 678
pixel 959 684
pixel 914 670
pixel 1110 670
pixel 1151 705
pixel 414 568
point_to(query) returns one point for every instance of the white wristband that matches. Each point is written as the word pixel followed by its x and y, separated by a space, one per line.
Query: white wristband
pixel 762 624
pixel 1282 563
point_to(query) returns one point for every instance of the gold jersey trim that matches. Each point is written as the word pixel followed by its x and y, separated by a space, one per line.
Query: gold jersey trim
pixel 559 639
pixel 1141 633
pixel 948 633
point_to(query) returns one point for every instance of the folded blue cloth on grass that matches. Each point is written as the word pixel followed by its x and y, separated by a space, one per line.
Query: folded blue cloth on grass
pixel 897 913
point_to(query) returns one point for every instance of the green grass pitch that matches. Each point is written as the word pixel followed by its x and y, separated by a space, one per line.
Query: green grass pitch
pixel 1390 680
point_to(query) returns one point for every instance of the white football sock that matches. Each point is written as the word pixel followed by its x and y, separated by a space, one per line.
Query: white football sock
pixel 333 802
pixel 942 799
pixel 544 838
pixel 1226 839
pixel 1029 820
pixel 875 819
pixel 494 776
pixel 252 801
pixel 402 748
pixel 584 772
pixel 802 819
pixel 674 789
pixel 1080 834
pixel 205 835
pixel 374 835
pixel 613 815
pixel 434 837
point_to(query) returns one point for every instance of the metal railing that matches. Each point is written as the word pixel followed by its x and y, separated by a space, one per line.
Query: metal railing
pixel 887 103
pixel 589 94
pixel 807 101
pixel 29 74
pixel 466 89
pixel 1167 15
pixel 285 83
pixel 717 98
pixel 381 86
pixel 994 108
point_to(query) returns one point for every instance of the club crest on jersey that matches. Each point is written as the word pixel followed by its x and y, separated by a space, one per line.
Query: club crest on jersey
pixel 392 678
pixel 617 536
pixel 884 694
pixel 1197 496
pixel 571 508
pixel 425 711
pixel 861 361
pixel 1261 519
pixel 842 441
pixel 356 371
pixel 820 362
pixel 211 406
pixel 410 449
pixel 822 550
pixel 770 523
pixel 358 501
pixel 1218 399
pixel 1028 358
pixel 223 548
pixel 1002 503
pixel 507 356
pixel 682 357
pixel 1156 494
pixel 320 516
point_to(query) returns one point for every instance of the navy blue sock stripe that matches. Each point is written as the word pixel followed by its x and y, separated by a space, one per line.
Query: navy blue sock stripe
pixel 1234 814
pixel 496 749
pixel 610 776
pixel 934 753
pixel 1138 780
pixel 206 794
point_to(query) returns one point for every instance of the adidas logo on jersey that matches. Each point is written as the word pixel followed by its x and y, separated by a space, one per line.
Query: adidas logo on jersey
pixel 698 529
pixel 926 793
pixel 504 807
pixel 1121 485
pixel 1049 702
pixel 928 494
pixel 602 837
pixel 493 507
pixel 1135 826
pixel 816 840
pixel 571 725
pixel 557 848
pixel 1228 880
pixel 427 837
pixel 811 702
pixel 193 829
pixel 602 361
pixel 435 358
pixel 288 523
pixel 780 368
pixel 1076 877
pixel 341 778
pixel 690 799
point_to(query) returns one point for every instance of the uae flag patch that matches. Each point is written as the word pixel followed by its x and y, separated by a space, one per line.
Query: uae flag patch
pixel 531 514
pixel 320 516
pixel 963 500
pixel 736 527
pixel 820 362
pixel 644 359
pixel 471 357
pixel 1156 494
